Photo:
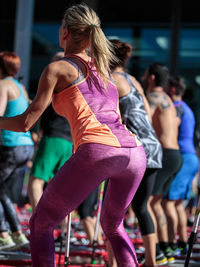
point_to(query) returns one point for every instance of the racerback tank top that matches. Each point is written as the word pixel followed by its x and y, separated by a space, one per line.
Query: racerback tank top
pixel 92 110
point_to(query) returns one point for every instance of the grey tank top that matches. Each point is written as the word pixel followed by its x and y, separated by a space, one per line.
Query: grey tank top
pixel 136 120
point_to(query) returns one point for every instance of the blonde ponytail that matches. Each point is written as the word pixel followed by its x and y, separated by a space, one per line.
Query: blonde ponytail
pixel 86 32
pixel 101 51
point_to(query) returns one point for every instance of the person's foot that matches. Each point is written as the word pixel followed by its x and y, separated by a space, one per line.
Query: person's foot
pixel 20 240
pixel 161 259
pixel 141 259
pixel 6 242
pixel 169 254
pixel 183 251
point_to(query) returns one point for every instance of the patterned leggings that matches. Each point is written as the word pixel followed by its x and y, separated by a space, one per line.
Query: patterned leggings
pixel 79 176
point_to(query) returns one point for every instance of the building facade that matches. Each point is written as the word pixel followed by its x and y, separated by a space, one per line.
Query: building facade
pixel 161 31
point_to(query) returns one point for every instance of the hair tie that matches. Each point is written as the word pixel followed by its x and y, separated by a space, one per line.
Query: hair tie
pixel 92 25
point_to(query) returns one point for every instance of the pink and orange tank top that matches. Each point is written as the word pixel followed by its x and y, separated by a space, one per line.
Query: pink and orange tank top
pixel 92 110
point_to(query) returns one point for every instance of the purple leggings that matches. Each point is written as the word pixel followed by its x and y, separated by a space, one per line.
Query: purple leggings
pixel 79 176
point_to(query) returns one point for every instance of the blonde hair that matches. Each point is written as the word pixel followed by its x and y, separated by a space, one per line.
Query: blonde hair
pixel 86 32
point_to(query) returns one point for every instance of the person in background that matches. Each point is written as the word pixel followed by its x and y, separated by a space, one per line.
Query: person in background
pixel 54 149
pixel 16 149
pixel 180 187
pixel 165 123
pixel 86 211
pixel 135 113
pixel 81 90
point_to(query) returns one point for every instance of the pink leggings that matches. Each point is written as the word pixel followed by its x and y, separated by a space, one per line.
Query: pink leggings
pixel 80 175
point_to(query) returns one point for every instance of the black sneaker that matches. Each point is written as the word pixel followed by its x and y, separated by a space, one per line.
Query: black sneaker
pixel 141 259
pixel 161 259
pixel 183 251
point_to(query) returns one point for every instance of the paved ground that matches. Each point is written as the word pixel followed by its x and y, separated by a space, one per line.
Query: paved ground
pixel 181 264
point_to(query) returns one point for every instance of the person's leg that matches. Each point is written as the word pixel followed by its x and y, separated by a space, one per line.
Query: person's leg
pixel 68 189
pixel 7 165
pixel 162 255
pixel 182 228
pixel 172 219
pixel 62 195
pixel 86 213
pixel 152 214
pixel 182 221
pixel 156 205
pixel 191 164
pixel 172 162
pixel 35 190
pixel 5 239
pixel 180 189
pixel 11 160
pixel 143 212
pixel 130 218
pixel 176 191
pixel 119 194
pixel 51 154
pixel 14 183
pixel 11 216
pixel 3 225
pixel 111 256
pixel 15 186
pixel 89 224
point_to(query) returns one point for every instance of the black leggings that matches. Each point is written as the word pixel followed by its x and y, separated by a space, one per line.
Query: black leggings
pixel 87 207
pixel 12 161
pixel 139 203
pixel 8 213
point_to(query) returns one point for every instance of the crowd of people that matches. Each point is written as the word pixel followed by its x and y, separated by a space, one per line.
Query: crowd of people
pixel 136 135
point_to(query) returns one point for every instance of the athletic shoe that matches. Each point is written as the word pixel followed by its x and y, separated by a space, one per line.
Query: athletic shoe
pixel 139 249
pixel 169 255
pixel 141 259
pixel 174 252
pixel 6 242
pixel 183 251
pixel 20 240
pixel 161 259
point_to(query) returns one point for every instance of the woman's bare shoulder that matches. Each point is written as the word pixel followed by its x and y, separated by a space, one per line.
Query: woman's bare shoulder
pixel 121 84
pixel 5 82
pixel 136 84
pixel 61 67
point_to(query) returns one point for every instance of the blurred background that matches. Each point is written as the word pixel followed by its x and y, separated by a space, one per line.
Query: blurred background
pixel 165 31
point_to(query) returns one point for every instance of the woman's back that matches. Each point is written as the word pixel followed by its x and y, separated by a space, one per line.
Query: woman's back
pixel 92 110
pixel 136 119
pixel 16 105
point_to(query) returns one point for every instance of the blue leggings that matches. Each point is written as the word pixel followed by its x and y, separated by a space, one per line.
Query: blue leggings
pixel 79 176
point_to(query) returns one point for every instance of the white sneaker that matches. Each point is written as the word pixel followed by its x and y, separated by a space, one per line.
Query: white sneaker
pixel 20 240
pixel 6 242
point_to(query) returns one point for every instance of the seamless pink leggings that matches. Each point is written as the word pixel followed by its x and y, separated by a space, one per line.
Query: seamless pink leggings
pixel 79 176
